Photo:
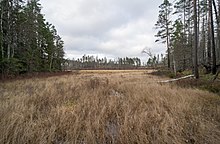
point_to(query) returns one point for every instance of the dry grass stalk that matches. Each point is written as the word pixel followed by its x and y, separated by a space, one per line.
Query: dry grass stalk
pixel 106 107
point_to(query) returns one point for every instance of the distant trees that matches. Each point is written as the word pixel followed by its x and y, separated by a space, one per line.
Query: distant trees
pixel 153 61
pixel 194 34
pixel 27 42
pixel 91 62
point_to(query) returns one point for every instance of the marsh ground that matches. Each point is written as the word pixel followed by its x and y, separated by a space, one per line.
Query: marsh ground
pixel 106 107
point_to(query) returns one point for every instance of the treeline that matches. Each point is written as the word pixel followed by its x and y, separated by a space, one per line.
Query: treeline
pixel 154 61
pixel 92 62
pixel 191 31
pixel 27 42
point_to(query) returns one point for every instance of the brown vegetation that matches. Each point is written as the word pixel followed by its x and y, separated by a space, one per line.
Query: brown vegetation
pixel 206 82
pixel 106 107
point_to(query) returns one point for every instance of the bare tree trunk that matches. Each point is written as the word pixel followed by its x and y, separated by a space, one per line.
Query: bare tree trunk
pixel 203 41
pixel 190 40
pixel 216 12
pixel 51 62
pixel 184 31
pixel 1 41
pixel 198 23
pixel 1 31
pixel 212 38
pixel 209 44
pixel 209 56
pixel 218 29
pixel 196 72
pixel 167 34
pixel 8 32
pixel 168 50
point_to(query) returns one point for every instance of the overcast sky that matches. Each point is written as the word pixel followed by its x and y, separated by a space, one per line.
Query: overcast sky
pixel 112 28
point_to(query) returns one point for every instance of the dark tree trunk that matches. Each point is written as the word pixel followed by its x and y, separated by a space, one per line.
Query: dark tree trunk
pixel 218 29
pixel 209 47
pixel 196 72
pixel 1 33
pixel 212 38
pixel 168 50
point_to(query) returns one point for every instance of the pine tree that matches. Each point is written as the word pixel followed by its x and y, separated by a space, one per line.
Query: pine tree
pixel 164 25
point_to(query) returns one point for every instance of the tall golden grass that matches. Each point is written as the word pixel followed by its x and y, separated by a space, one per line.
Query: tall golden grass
pixel 106 107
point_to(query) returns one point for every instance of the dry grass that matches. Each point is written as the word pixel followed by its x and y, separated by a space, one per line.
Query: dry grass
pixel 106 107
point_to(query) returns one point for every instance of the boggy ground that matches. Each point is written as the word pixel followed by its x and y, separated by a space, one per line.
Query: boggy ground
pixel 88 107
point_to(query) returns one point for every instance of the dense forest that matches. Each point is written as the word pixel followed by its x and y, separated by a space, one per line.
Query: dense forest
pixel 27 42
pixel 191 32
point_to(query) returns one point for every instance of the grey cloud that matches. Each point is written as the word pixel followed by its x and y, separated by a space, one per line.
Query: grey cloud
pixel 113 28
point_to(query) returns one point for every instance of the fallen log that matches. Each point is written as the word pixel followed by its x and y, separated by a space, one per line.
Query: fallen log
pixel 172 80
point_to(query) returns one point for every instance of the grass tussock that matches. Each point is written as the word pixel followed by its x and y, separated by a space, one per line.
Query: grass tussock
pixel 106 108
